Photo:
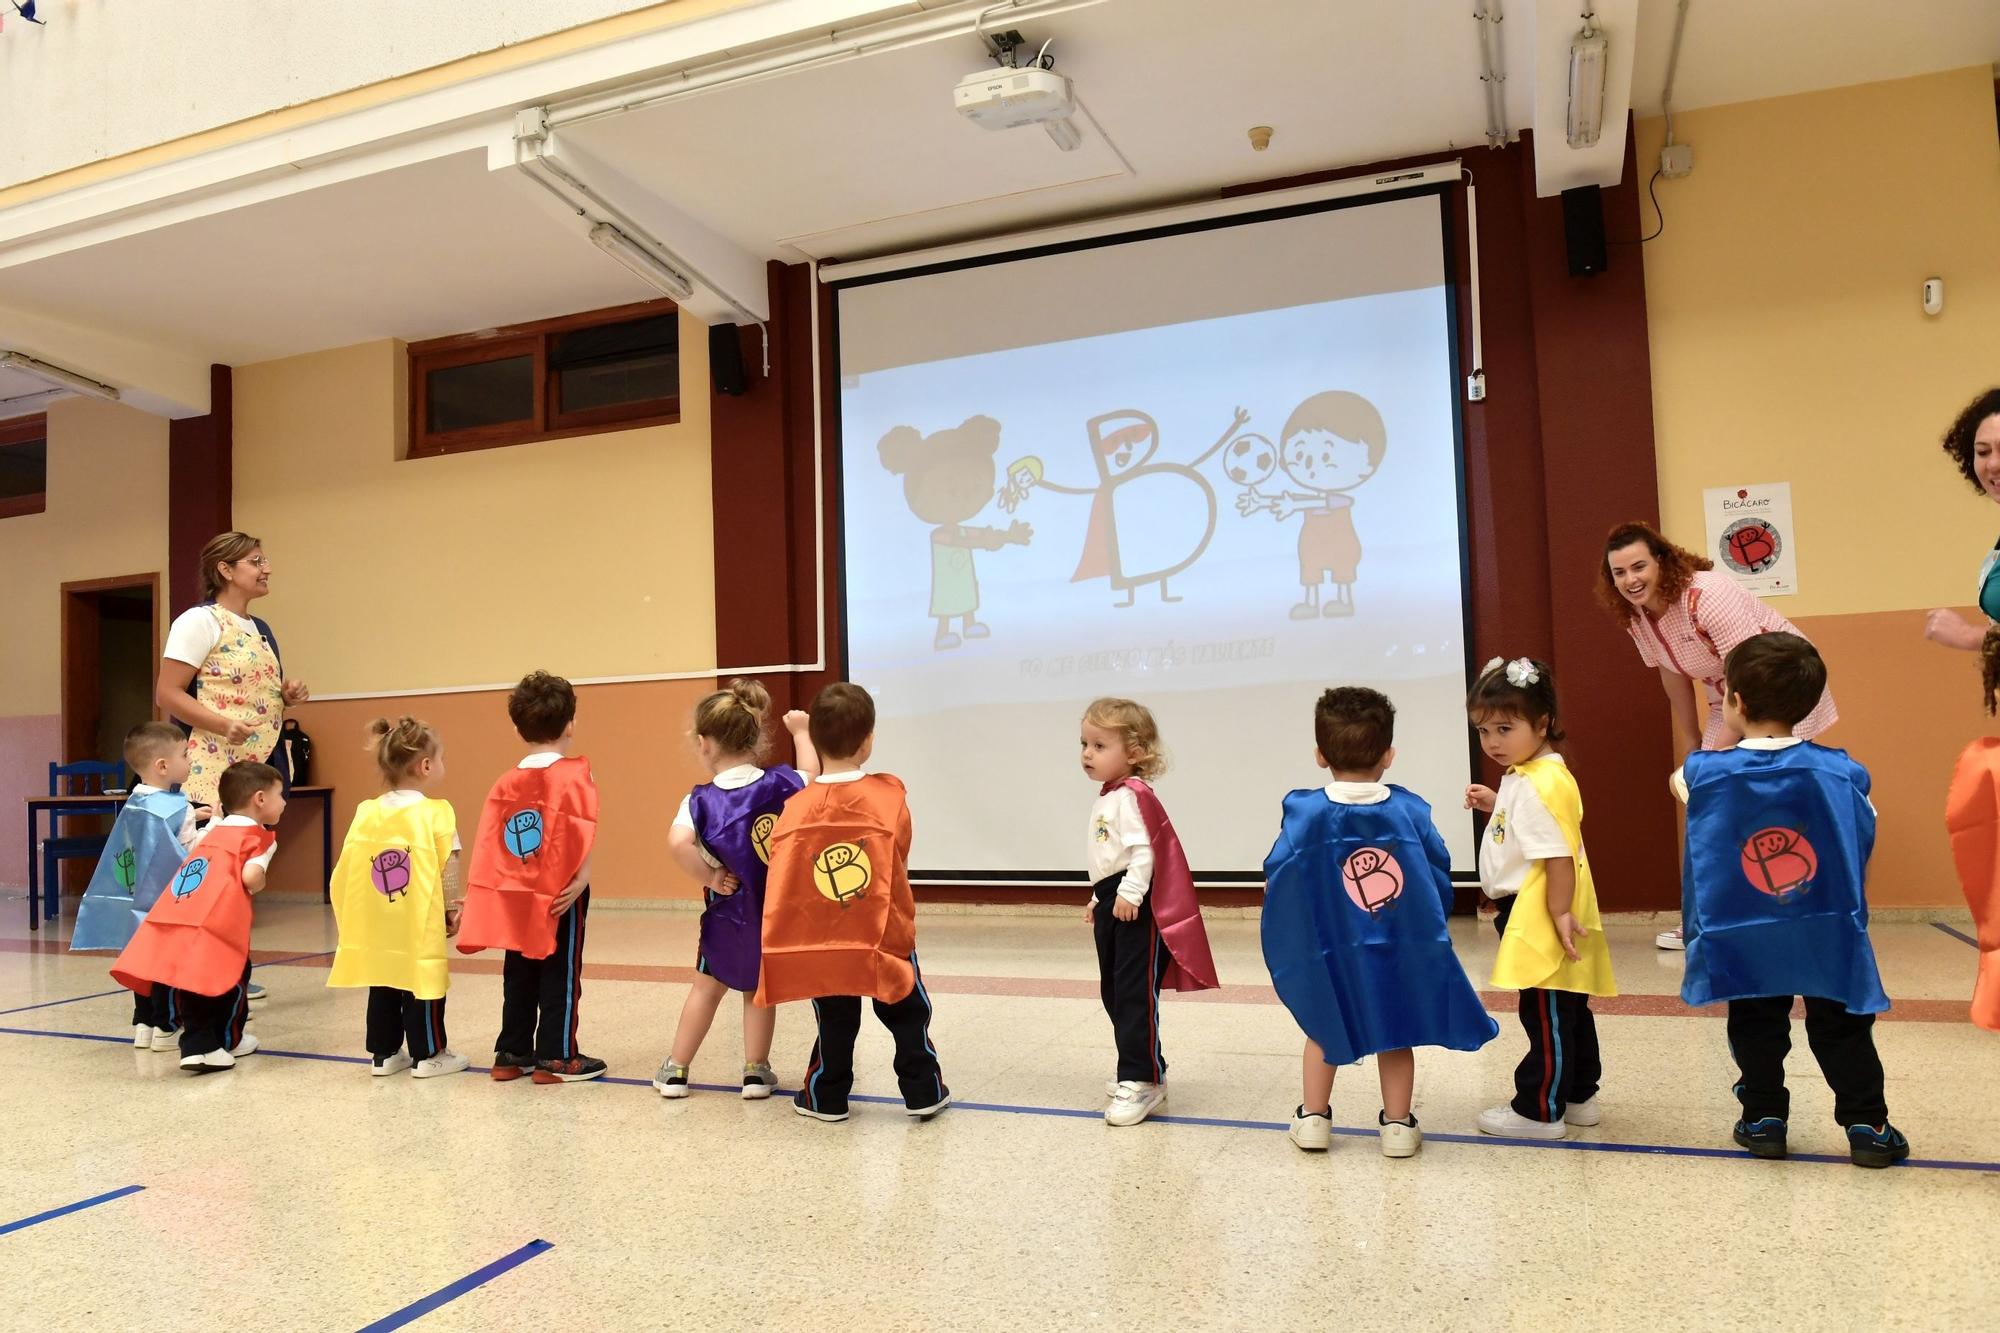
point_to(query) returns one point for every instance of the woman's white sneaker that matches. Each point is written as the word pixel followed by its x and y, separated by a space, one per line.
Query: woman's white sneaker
pixel 1506 1123
pixel 1669 939
pixel 1312 1130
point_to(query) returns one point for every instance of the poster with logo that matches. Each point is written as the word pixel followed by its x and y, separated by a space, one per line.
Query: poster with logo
pixel 1750 535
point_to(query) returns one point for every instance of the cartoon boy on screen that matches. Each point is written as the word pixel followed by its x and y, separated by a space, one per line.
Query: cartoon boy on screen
pixel 1332 443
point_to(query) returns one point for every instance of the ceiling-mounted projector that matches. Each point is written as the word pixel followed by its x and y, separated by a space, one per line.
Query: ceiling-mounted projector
pixel 1006 98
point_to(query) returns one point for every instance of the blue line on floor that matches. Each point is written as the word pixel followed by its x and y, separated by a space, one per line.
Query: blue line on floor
pixel 1958 935
pixel 69 1208
pixel 445 1295
pixel 1207 1122
pixel 99 995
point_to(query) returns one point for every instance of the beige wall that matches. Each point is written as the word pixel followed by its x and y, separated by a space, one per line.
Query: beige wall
pixel 106 516
pixel 590 556
pixel 1789 344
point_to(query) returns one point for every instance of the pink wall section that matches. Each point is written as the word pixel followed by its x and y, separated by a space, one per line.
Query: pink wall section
pixel 27 744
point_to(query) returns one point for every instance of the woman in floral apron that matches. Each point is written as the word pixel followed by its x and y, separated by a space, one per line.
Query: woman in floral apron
pixel 1685 618
pixel 1973 442
pixel 220 673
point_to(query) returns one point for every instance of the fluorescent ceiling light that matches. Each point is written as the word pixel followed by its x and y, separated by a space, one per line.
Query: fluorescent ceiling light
pixel 642 263
pixel 1586 86
pixel 56 375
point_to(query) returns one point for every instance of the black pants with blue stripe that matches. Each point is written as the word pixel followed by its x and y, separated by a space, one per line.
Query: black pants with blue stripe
pixel 213 1022
pixel 397 1016
pixel 1562 1065
pixel 830 1074
pixel 155 1010
pixel 1131 960
pixel 540 996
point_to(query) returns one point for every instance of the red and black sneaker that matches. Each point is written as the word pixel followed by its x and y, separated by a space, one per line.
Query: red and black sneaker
pixel 573 1070
pixel 507 1066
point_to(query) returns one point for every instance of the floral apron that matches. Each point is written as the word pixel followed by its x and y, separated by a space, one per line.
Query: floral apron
pixel 241 681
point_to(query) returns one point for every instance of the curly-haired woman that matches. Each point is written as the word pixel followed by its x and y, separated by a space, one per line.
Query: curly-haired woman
pixel 1685 618
pixel 1973 442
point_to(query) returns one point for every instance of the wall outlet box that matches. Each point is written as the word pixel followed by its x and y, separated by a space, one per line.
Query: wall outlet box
pixel 1475 387
pixel 1676 160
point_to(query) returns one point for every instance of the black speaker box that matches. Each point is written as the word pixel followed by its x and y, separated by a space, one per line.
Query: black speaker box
pixel 1583 230
pixel 725 360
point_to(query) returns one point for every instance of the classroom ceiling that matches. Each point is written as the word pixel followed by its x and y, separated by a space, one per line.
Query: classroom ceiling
pixel 867 156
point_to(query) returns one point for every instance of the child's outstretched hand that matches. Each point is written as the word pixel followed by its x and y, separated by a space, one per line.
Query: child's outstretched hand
pixel 1479 798
pixel 1088 909
pixel 1569 932
pixel 797 721
pixel 452 916
pixel 1125 911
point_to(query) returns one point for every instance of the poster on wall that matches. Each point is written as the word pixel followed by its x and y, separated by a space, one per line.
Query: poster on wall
pixel 1750 536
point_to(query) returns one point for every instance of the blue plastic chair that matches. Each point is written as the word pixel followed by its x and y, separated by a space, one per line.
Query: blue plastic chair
pixel 87 777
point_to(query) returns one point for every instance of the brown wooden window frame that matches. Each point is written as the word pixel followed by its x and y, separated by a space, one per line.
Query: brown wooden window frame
pixel 26 430
pixel 549 421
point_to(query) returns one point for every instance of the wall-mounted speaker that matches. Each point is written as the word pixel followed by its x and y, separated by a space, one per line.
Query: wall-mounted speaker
pixel 1583 231
pixel 725 360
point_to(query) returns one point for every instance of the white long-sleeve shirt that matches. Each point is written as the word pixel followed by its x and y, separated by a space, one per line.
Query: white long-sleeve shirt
pixel 1117 840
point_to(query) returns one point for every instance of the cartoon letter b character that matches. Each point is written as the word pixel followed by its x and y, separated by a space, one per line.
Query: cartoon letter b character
pixel 1373 879
pixel 125 868
pixel 522 833
pixel 842 872
pixel 390 872
pixel 189 877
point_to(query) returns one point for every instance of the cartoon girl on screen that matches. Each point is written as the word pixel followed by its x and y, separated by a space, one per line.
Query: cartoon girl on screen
pixel 1332 443
pixel 947 478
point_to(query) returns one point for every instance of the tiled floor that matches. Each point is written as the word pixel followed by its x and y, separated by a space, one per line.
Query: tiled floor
pixel 295 1192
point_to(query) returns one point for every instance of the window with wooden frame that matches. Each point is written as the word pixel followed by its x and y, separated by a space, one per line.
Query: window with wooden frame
pixel 24 466
pixel 601 370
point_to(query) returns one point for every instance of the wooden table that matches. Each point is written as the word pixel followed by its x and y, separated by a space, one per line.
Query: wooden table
pixel 63 807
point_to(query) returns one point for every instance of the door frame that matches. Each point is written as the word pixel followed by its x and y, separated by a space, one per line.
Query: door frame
pixel 80 641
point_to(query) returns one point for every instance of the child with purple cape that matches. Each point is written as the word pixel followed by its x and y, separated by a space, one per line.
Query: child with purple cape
pixel 722 836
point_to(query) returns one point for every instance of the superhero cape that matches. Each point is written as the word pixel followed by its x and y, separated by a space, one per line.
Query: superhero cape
pixel 197 935
pixel 1771 897
pixel 1972 814
pixel 535 832
pixel 1531 955
pixel 838 915
pixel 736 827
pixel 1095 561
pixel 140 856
pixel 1175 909
pixel 1355 902
pixel 388 898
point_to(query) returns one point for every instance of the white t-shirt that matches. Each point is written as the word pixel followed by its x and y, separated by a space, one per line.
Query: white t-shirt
pixel 262 859
pixel 1116 840
pixel 851 775
pixel 1357 793
pixel 196 631
pixel 1521 830
pixel 403 797
pixel 185 834
pixel 540 759
pixel 729 779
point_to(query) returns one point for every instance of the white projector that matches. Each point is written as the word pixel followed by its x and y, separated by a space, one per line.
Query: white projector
pixel 1003 99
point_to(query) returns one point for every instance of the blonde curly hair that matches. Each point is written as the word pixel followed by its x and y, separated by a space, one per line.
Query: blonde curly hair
pixel 1134 723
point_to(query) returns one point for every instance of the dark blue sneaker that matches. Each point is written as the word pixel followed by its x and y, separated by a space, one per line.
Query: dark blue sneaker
pixel 1871 1147
pixel 253 992
pixel 1764 1138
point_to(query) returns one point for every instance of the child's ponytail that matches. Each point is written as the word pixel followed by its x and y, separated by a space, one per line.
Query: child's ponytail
pixel 734 717
pixel 400 746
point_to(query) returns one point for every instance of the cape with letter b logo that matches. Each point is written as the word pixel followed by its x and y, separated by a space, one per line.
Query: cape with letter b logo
pixel 535 833
pixel 197 935
pixel 141 854
pixel 388 898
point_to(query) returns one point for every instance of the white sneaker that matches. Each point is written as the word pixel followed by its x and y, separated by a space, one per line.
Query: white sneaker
pixel 444 1062
pixel 923 1113
pixel 209 1063
pixel 142 1036
pixel 1504 1122
pixel 1669 939
pixel 1133 1102
pixel 248 1046
pixel 1399 1139
pixel 1583 1115
pixel 385 1065
pixel 759 1081
pixel 166 1039
pixel 1312 1131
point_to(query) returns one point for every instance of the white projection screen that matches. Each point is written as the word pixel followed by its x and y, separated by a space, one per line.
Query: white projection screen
pixel 1214 469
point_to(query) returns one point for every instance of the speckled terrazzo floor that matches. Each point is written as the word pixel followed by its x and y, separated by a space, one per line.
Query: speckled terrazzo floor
pixel 298 1193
